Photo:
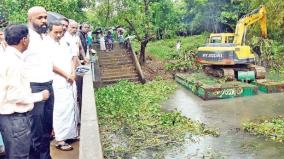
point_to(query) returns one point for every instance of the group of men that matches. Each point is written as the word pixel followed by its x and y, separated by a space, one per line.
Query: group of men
pixel 38 91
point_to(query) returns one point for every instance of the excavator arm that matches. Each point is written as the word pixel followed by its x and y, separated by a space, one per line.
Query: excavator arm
pixel 258 14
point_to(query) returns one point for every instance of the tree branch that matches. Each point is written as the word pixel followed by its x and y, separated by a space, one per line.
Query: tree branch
pixel 133 28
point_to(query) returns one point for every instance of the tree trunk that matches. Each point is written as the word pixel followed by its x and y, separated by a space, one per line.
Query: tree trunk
pixel 108 13
pixel 142 58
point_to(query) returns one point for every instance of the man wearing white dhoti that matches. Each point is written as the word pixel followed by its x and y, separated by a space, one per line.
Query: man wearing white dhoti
pixel 65 108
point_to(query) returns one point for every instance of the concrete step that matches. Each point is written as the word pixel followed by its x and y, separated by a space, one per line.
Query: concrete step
pixel 115 58
pixel 120 68
pixel 115 62
pixel 116 66
pixel 112 54
pixel 118 73
pixel 111 81
pixel 117 77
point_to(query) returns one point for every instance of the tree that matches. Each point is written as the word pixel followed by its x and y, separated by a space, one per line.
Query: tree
pixel 146 18
pixel 213 16
pixel 17 10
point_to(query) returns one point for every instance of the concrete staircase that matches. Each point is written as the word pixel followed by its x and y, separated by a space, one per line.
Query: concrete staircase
pixel 116 65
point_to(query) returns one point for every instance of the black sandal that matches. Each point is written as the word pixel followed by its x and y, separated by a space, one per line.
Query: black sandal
pixel 64 147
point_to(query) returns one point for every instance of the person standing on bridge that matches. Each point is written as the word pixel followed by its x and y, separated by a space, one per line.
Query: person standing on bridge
pixel 16 98
pixel 74 41
pixel 84 29
pixel 3 43
pixel 38 66
pixel 3 46
pixel 65 107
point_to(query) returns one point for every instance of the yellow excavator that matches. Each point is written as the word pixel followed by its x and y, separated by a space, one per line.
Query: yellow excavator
pixel 226 55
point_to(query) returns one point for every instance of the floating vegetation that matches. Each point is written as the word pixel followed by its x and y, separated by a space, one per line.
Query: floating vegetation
pixel 270 128
pixel 209 81
pixel 131 120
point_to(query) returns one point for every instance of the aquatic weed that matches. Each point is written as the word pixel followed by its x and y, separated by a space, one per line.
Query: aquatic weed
pixel 131 120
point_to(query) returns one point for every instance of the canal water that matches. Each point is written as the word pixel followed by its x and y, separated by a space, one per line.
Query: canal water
pixel 227 115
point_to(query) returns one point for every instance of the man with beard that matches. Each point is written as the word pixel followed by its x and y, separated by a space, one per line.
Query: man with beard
pixel 39 70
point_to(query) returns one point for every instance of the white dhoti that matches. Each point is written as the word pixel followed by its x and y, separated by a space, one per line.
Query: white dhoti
pixel 65 114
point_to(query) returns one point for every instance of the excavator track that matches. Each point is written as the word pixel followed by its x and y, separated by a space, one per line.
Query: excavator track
pixel 227 73
pixel 259 71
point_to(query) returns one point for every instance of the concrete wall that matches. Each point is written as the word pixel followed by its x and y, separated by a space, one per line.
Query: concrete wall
pixel 90 144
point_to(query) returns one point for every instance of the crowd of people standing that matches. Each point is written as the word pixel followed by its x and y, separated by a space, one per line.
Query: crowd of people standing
pixel 107 41
pixel 40 92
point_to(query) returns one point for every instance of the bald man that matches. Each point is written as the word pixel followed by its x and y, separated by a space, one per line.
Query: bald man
pixel 39 70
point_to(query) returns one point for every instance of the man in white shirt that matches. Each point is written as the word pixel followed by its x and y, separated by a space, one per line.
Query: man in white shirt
pixel 3 44
pixel 73 29
pixel 71 40
pixel 76 44
pixel 65 108
pixel 39 71
pixel 2 50
pixel 16 99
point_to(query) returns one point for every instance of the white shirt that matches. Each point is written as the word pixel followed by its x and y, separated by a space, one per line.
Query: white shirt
pixel 73 41
pixel 15 91
pixel 38 61
pixel 178 45
pixel 62 58
pixel 2 47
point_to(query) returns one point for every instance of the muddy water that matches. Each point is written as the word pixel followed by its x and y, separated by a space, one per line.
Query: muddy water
pixel 227 115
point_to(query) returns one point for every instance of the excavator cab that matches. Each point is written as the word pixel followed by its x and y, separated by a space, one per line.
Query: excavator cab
pixel 221 38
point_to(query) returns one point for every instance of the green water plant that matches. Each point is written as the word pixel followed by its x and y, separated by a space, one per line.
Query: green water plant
pixel 269 128
pixel 131 120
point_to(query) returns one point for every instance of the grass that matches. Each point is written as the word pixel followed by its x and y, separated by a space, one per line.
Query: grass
pixel 181 60
pixel 178 60
pixel 164 49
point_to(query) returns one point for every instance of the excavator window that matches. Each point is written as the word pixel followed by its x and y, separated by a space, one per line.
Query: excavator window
pixel 215 39
pixel 230 39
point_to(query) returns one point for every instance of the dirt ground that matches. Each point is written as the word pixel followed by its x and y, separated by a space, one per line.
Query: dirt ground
pixel 154 68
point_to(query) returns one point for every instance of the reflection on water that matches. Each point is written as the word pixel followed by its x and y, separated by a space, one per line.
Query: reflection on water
pixel 227 115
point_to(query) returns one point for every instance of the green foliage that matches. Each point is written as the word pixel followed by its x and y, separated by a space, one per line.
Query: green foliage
pixel 183 59
pixel 17 10
pixel 272 128
pixel 271 53
pixel 203 80
pixel 212 16
pixel 166 19
pixel 131 120
pixel 166 49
